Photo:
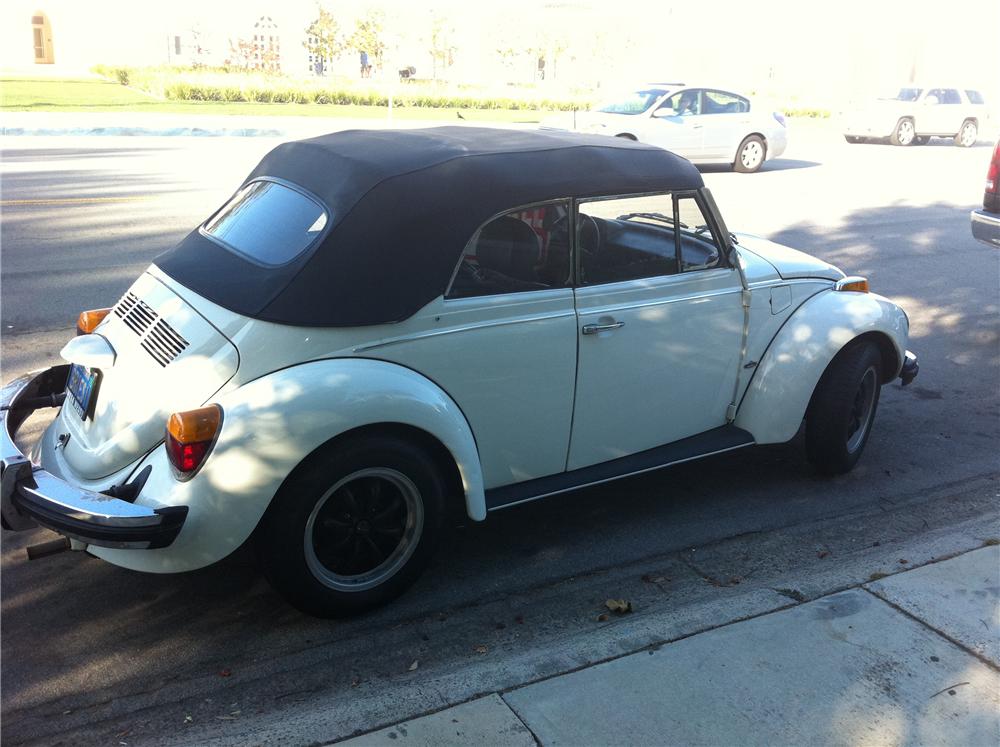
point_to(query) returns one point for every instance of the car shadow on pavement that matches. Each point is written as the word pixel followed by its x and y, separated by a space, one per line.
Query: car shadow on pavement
pixel 777 164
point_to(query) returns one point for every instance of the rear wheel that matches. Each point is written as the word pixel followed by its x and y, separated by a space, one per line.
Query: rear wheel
pixel 843 407
pixel 968 135
pixel 904 134
pixel 751 155
pixel 353 526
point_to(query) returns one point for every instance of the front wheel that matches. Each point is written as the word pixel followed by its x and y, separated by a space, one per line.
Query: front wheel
pixel 842 410
pixel 751 155
pixel 968 135
pixel 904 134
pixel 353 526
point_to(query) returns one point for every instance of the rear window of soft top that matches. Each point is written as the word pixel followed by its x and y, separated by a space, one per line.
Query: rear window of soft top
pixel 268 222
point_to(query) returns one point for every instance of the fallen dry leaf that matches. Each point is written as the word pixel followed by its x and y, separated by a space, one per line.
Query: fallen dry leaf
pixel 226 673
pixel 356 682
pixel 413 666
pixel 603 617
pixel 822 553
pixel 480 649
pixel 188 719
pixel 904 561
pixel 621 606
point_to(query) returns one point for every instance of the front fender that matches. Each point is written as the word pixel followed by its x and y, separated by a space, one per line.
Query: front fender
pixel 786 376
pixel 269 426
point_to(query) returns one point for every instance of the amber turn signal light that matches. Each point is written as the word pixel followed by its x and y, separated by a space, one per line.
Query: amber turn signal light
pixel 190 437
pixel 88 320
pixel 856 284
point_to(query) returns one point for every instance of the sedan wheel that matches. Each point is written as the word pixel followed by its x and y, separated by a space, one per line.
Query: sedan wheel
pixel 968 135
pixel 750 157
pixel 904 134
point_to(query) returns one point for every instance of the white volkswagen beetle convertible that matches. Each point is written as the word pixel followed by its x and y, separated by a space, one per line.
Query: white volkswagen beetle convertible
pixel 381 327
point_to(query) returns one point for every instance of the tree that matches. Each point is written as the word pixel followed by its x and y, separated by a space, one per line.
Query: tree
pixel 369 34
pixel 441 43
pixel 241 52
pixel 324 39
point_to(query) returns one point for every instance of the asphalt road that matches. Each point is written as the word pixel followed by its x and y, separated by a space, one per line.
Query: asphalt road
pixel 96 654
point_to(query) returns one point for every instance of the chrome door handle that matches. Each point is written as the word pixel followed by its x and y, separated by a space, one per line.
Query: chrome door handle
pixel 593 329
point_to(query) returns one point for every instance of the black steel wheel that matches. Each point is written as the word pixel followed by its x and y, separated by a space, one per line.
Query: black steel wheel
pixel 353 526
pixel 840 416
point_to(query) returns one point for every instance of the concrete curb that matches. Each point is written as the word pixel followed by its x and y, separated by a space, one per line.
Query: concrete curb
pixel 889 661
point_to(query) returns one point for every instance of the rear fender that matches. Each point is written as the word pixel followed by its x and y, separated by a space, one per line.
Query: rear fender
pixel 269 426
pixel 786 376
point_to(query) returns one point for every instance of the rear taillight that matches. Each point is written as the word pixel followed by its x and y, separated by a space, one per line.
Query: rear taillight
pixel 779 118
pixel 993 175
pixel 190 437
pixel 88 320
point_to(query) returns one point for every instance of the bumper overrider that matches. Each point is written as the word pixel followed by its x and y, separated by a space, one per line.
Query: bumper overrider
pixel 29 495
pixel 910 368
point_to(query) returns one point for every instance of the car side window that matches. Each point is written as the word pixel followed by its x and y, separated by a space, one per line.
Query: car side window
pixel 975 97
pixel 641 237
pixel 720 102
pixel 683 104
pixel 524 250
pixel 951 96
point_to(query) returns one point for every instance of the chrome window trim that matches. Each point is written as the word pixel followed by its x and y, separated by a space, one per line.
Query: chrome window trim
pixel 501 214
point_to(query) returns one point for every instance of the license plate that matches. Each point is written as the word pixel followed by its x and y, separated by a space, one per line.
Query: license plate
pixel 82 388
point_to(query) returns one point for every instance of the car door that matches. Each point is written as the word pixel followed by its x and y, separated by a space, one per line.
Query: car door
pixel 941 112
pixel 660 325
pixel 676 124
pixel 502 342
pixel 725 122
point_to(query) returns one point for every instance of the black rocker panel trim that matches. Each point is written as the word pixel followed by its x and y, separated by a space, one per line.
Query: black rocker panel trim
pixel 704 444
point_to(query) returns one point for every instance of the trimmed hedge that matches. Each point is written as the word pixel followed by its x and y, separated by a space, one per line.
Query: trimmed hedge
pixel 181 85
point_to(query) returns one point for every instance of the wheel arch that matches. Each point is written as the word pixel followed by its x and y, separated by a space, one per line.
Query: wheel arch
pixel 784 380
pixel 442 457
pixel 272 425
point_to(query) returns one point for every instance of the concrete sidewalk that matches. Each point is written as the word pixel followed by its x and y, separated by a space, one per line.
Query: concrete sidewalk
pixel 912 658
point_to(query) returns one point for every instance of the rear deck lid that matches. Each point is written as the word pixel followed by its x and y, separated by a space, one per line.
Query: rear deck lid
pixel 167 358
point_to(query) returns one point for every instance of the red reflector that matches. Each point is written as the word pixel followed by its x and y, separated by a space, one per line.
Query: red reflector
pixel 186 457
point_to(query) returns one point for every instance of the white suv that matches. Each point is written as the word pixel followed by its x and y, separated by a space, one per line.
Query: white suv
pixel 915 115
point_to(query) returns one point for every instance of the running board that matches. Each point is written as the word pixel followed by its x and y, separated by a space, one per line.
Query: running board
pixel 715 441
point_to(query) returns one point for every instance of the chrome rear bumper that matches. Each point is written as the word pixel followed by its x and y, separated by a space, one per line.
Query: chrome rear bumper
pixel 30 495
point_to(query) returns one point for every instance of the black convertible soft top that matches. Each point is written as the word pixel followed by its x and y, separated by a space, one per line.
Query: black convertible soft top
pixel 402 205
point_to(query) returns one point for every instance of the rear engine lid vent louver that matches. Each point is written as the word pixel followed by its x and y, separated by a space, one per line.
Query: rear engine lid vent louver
pixel 157 337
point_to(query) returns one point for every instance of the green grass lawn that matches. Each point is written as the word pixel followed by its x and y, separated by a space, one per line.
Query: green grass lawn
pixel 44 95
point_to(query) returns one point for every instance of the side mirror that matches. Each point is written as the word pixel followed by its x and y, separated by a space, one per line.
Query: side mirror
pixel 664 111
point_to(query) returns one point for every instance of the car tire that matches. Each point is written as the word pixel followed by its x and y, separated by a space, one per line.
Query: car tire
pixel 353 526
pixel 840 415
pixel 968 135
pixel 904 134
pixel 751 154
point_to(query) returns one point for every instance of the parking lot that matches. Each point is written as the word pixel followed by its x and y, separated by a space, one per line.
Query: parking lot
pixel 94 653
